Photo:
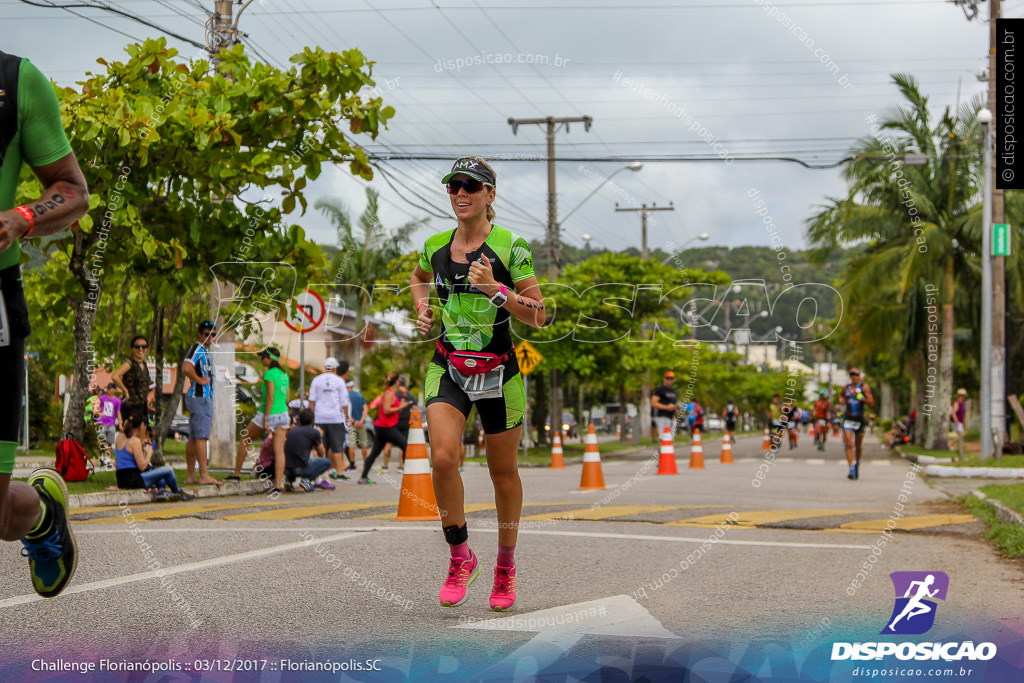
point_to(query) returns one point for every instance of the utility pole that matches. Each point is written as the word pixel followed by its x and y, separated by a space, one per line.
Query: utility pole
pixel 643 209
pixel 993 395
pixel 998 391
pixel 645 386
pixel 223 33
pixel 553 125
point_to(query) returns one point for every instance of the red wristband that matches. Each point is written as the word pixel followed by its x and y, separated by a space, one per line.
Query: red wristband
pixel 29 216
pixel 420 304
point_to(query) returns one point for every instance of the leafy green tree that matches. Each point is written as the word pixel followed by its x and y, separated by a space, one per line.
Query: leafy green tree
pixel 921 224
pixel 366 258
pixel 166 145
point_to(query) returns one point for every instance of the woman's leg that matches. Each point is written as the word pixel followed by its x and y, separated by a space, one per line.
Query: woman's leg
pixel 279 436
pixel 253 431
pixel 508 487
pixel 379 444
pixel 160 477
pixel 446 425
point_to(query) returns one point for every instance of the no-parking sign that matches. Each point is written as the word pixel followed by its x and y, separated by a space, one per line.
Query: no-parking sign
pixel 309 314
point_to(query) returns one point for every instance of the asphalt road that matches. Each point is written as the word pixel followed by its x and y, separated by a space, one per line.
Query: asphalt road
pixel 710 568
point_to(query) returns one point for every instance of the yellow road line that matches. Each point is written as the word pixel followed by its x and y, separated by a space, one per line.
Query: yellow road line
pixel 905 523
pixel 303 511
pixel 172 512
pixel 606 511
pixel 757 517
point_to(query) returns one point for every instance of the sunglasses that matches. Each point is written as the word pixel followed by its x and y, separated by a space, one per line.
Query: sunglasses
pixel 854 374
pixel 141 346
pixel 211 333
pixel 469 185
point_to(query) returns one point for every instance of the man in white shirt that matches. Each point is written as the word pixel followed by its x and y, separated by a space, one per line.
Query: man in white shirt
pixel 328 399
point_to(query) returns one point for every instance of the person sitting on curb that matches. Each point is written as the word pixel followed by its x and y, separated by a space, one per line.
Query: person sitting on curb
pixel 298 464
pixel 132 453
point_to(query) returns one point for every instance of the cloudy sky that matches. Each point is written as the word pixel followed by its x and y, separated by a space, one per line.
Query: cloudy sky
pixel 693 88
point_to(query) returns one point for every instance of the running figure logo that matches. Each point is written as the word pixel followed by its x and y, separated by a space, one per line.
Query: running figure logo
pixel 916 592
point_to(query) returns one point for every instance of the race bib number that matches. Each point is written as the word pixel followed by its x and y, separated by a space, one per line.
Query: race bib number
pixel 853 425
pixel 822 423
pixel 485 385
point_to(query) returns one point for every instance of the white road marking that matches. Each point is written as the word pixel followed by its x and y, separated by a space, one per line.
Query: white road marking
pixel 170 571
pixel 399 526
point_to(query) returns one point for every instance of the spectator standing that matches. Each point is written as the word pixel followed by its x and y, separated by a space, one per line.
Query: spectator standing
pixel 198 367
pixel 328 399
pixel 132 378
pixel 109 420
pixel 301 441
pixel 664 404
pixel 358 438
pixel 958 419
pixel 272 417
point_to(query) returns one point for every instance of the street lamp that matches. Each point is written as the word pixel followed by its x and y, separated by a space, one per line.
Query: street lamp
pixel 703 237
pixel 984 117
pixel 635 166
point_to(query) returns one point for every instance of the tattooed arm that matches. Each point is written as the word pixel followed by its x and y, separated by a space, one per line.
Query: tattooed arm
pixel 64 201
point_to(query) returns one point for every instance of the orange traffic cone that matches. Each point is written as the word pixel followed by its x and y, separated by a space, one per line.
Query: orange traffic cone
pixel 726 450
pixel 696 452
pixel 810 429
pixel 766 445
pixel 592 478
pixel 618 431
pixel 557 462
pixel 667 464
pixel 416 503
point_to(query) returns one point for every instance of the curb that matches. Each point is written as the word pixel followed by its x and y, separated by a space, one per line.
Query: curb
pixel 139 496
pixel 933 469
pixel 1004 513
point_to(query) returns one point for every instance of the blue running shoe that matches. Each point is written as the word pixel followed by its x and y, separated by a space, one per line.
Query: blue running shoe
pixel 53 555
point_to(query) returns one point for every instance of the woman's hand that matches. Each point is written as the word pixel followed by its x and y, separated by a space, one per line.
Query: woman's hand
pixel 481 276
pixel 424 320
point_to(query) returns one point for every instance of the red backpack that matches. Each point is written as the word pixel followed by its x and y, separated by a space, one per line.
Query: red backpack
pixel 72 461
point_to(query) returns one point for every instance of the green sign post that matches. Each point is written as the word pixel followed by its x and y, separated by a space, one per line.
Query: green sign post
pixel 1001 240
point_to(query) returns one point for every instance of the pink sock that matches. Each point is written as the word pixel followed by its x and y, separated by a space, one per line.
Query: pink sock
pixel 506 556
pixel 461 550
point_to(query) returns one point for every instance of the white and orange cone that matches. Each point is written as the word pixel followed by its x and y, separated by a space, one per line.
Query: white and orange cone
pixel 557 461
pixel 726 450
pixel 766 445
pixel 667 463
pixel 696 452
pixel 592 478
pixel 416 503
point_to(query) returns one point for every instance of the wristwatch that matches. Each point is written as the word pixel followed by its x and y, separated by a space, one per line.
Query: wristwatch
pixel 500 297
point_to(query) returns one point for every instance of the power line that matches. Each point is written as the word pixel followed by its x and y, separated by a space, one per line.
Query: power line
pixel 115 10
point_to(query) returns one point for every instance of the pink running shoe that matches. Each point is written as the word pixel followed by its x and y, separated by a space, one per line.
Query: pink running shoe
pixel 503 595
pixel 461 573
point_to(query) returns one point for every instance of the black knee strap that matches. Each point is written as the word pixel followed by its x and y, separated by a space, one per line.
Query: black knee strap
pixel 455 535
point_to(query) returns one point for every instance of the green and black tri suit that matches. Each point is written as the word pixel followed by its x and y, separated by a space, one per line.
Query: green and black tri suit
pixel 470 322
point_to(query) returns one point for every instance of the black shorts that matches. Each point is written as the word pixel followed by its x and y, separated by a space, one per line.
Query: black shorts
pixel 12 356
pixel 334 436
pixel 730 425
pixel 497 414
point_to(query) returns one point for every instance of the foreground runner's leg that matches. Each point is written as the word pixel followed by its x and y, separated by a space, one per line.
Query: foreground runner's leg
pixel 446 425
pixel 49 544
pixel 508 499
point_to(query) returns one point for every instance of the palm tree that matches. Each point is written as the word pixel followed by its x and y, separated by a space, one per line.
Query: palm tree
pixel 364 258
pixel 921 224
